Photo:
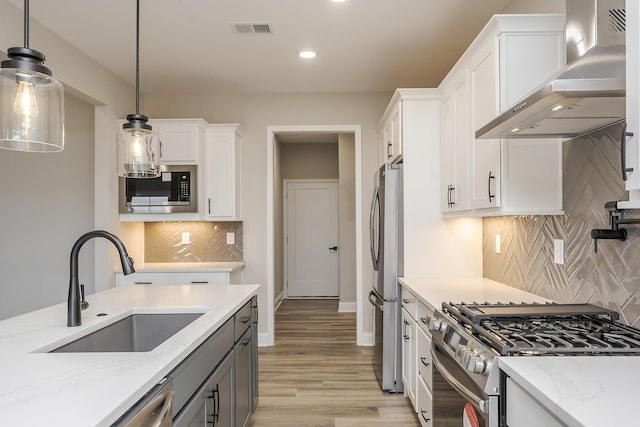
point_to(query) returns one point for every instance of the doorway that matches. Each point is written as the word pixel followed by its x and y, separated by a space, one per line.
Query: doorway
pixel 275 230
pixel 311 239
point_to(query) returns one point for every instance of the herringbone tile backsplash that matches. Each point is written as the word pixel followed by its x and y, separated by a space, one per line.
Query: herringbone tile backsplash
pixel 163 242
pixel 610 277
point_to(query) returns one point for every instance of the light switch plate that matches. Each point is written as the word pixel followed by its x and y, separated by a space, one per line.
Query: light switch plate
pixel 498 244
pixel 231 238
pixel 558 251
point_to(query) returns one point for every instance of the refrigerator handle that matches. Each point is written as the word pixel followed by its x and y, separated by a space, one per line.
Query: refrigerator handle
pixel 375 300
pixel 373 229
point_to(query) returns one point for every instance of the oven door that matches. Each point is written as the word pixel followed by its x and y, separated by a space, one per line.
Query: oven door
pixel 453 389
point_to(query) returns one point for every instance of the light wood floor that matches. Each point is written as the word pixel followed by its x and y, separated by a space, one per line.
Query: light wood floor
pixel 315 375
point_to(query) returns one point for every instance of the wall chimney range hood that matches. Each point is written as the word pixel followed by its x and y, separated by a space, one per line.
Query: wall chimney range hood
pixel 586 95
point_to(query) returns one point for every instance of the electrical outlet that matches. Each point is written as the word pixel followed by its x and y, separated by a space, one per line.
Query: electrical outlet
pixel 558 251
pixel 231 238
pixel 498 244
pixel 186 237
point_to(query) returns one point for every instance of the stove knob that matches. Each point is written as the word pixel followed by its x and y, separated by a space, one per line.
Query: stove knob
pixel 461 350
pixel 437 325
pixel 477 364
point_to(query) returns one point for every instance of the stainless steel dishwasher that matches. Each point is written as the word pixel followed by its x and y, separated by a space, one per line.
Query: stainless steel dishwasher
pixel 153 410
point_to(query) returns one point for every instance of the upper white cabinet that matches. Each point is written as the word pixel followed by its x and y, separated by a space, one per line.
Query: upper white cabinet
pixel 222 172
pixel 511 56
pixel 631 152
pixel 390 132
pixel 180 139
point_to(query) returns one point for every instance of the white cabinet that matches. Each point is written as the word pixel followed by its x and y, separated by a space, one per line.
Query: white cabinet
pixel 511 56
pixel 523 410
pixel 632 151
pixel 416 356
pixel 180 139
pixel 222 172
pixel 391 134
pixel 455 146
pixel 178 278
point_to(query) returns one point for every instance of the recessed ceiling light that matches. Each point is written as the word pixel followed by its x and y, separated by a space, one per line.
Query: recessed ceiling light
pixel 514 130
pixel 338 1
pixel 307 54
pixel 557 108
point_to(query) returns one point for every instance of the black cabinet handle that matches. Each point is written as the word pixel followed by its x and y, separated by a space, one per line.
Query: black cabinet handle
pixel 423 320
pixel 209 205
pixel 215 395
pixel 450 190
pixel 623 151
pixel 423 417
pixel 245 319
pixel 333 248
pixel 491 196
pixel 201 282
pixel 424 361
pixel 143 283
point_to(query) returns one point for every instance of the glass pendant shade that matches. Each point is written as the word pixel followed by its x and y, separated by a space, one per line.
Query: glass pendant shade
pixel 31 104
pixel 137 148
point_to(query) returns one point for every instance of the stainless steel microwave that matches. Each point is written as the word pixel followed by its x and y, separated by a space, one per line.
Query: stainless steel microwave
pixel 175 190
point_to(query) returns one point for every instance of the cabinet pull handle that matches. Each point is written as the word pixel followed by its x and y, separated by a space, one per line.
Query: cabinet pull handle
pixel 215 395
pixel 450 191
pixel 199 282
pixel 160 149
pixel 424 361
pixel 423 417
pixel 623 151
pixel 245 319
pixel 245 342
pixel 405 300
pixel 389 145
pixel 491 196
pixel 423 320
pixel 143 283
pixel 209 205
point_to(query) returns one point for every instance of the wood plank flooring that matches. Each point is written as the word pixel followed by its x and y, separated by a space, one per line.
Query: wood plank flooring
pixel 316 376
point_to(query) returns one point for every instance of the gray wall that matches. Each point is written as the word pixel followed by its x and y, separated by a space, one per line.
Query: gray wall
pixel 310 161
pixel 611 277
pixel 347 218
pixel 47 203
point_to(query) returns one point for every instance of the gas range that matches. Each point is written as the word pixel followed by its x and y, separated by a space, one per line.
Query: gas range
pixel 475 334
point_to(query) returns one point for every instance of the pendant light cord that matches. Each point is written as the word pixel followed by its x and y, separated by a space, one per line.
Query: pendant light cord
pixel 26 23
pixel 137 57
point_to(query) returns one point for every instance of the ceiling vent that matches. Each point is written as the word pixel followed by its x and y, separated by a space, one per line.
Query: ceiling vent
pixel 251 28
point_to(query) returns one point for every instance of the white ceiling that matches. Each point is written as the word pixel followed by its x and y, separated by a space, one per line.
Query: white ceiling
pixel 190 46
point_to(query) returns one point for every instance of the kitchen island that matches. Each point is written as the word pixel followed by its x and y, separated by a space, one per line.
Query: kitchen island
pixel 95 389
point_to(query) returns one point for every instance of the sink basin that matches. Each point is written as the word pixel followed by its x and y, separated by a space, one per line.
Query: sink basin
pixel 135 333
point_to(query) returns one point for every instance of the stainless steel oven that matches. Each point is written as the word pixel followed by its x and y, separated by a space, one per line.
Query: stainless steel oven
pixel 468 339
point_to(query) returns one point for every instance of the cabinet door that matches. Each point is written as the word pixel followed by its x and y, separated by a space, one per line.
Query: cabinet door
pixel 456 147
pixel 523 410
pixel 409 356
pixel 425 404
pixel 222 171
pixel 219 406
pixel 392 136
pixel 243 379
pixel 178 144
pixel 486 152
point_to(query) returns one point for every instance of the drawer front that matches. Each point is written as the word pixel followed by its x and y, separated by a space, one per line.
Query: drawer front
pixel 143 279
pixel 187 377
pixel 425 365
pixel 200 278
pixel 410 302
pixel 243 320
pixel 425 405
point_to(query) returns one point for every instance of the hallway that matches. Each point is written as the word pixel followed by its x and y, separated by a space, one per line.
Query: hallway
pixel 316 376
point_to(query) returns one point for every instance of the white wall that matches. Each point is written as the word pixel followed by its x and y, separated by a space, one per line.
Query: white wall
pixel 536 6
pixel 258 111
pixel 109 98
pixel 47 203
pixel 310 161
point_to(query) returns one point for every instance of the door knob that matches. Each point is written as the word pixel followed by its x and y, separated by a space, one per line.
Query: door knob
pixel 333 248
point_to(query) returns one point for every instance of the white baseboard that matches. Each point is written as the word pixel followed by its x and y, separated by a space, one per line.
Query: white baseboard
pixel 346 307
pixel 366 340
pixel 278 301
pixel 263 340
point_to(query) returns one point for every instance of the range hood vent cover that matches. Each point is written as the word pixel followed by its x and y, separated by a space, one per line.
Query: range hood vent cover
pixel 585 96
pixel 251 28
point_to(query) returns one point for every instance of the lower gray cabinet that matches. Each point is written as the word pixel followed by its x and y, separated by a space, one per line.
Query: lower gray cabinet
pixel 212 404
pixel 244 406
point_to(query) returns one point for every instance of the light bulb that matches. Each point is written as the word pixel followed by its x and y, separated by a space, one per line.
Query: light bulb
pixel 136 146
pixel 25 104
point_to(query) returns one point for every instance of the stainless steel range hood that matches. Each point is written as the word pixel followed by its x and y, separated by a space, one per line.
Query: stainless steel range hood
pixel 586 95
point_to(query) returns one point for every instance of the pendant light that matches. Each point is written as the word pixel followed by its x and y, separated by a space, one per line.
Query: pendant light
pixel 137 142
pixel 31 100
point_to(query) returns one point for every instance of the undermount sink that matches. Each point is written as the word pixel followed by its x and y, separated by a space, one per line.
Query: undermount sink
pixel 135 333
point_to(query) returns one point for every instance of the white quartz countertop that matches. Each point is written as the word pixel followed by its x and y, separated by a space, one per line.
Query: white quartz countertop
pixel 177 267
pixel 581 391
pixel 95 389
pixel 434 291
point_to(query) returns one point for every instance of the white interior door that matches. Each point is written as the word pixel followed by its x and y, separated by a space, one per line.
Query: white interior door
pixel 312 239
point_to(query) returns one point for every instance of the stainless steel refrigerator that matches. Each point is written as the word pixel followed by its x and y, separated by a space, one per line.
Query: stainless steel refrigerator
pixel 385 235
